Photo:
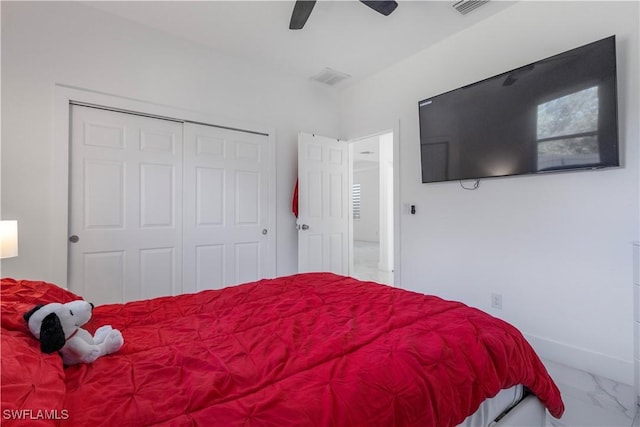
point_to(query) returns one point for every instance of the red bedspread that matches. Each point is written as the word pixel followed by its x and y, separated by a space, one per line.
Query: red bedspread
pixel 311 349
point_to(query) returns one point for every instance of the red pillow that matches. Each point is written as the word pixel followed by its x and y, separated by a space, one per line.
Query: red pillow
pixel 19 296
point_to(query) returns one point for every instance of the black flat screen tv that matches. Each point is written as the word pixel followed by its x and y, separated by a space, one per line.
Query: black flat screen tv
pixel 556 114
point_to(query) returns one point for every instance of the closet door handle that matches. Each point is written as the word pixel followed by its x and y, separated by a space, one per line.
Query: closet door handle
pixel 73 238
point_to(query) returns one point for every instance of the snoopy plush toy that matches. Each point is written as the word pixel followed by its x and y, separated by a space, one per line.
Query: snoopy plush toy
pixel 58 327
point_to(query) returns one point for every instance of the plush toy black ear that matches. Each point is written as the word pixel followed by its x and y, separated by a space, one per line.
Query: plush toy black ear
pixel 51 334
pixel 29 313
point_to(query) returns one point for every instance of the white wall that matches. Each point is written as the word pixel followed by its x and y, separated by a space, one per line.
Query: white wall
pixel 48 43
pixel 557 247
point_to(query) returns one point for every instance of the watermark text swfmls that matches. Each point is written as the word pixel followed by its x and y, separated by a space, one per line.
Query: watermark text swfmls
pixel 35 414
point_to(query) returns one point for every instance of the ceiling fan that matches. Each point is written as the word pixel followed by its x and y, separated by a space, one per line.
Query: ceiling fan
pixel 302 9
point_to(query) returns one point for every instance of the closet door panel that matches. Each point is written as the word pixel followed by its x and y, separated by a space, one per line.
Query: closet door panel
pixel 226 236
pixel 125 208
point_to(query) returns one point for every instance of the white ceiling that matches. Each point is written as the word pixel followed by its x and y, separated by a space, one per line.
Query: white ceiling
pixel 346 36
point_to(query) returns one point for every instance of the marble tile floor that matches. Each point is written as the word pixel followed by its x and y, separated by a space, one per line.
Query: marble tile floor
pixel 365 263
pixel 592 401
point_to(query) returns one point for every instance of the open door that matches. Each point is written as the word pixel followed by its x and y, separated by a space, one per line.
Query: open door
pixel 323 204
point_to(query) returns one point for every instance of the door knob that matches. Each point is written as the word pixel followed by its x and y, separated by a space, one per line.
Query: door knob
pixel 74 238
pixel 265 231
pixel 305 227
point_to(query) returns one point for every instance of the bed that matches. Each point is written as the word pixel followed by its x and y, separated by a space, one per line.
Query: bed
pixel 313 349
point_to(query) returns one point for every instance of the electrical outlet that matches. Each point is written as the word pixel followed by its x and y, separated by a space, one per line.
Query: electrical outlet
pixel 496 301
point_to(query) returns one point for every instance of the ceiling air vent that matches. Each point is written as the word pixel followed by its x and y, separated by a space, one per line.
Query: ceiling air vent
pixel 466 6
pixel 330 77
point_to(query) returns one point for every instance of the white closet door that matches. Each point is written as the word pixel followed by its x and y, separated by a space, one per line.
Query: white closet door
pixel 226 233
pixel 125 206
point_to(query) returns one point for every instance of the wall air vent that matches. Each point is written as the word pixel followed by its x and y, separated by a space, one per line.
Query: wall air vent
pixel 330 77
pixel 466 6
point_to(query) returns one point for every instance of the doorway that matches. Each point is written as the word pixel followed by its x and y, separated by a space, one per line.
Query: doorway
pixel 372 208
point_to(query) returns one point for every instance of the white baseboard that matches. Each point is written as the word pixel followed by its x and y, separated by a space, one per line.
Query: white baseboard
pixel 619 370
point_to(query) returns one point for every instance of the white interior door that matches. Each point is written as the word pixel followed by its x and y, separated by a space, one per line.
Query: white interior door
pixel 323 204
pixel 226 230
pixel 125 206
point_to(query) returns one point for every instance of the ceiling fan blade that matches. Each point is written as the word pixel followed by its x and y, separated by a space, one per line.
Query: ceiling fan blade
pixel 383 7
pixel 301 11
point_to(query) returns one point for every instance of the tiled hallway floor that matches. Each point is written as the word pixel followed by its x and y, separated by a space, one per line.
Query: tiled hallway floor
pixel 365 263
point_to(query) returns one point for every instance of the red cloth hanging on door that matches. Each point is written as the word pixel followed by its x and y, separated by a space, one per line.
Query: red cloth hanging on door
pixel 294 201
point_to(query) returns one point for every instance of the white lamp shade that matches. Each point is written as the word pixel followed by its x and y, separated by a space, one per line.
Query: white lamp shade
pixel 8 239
